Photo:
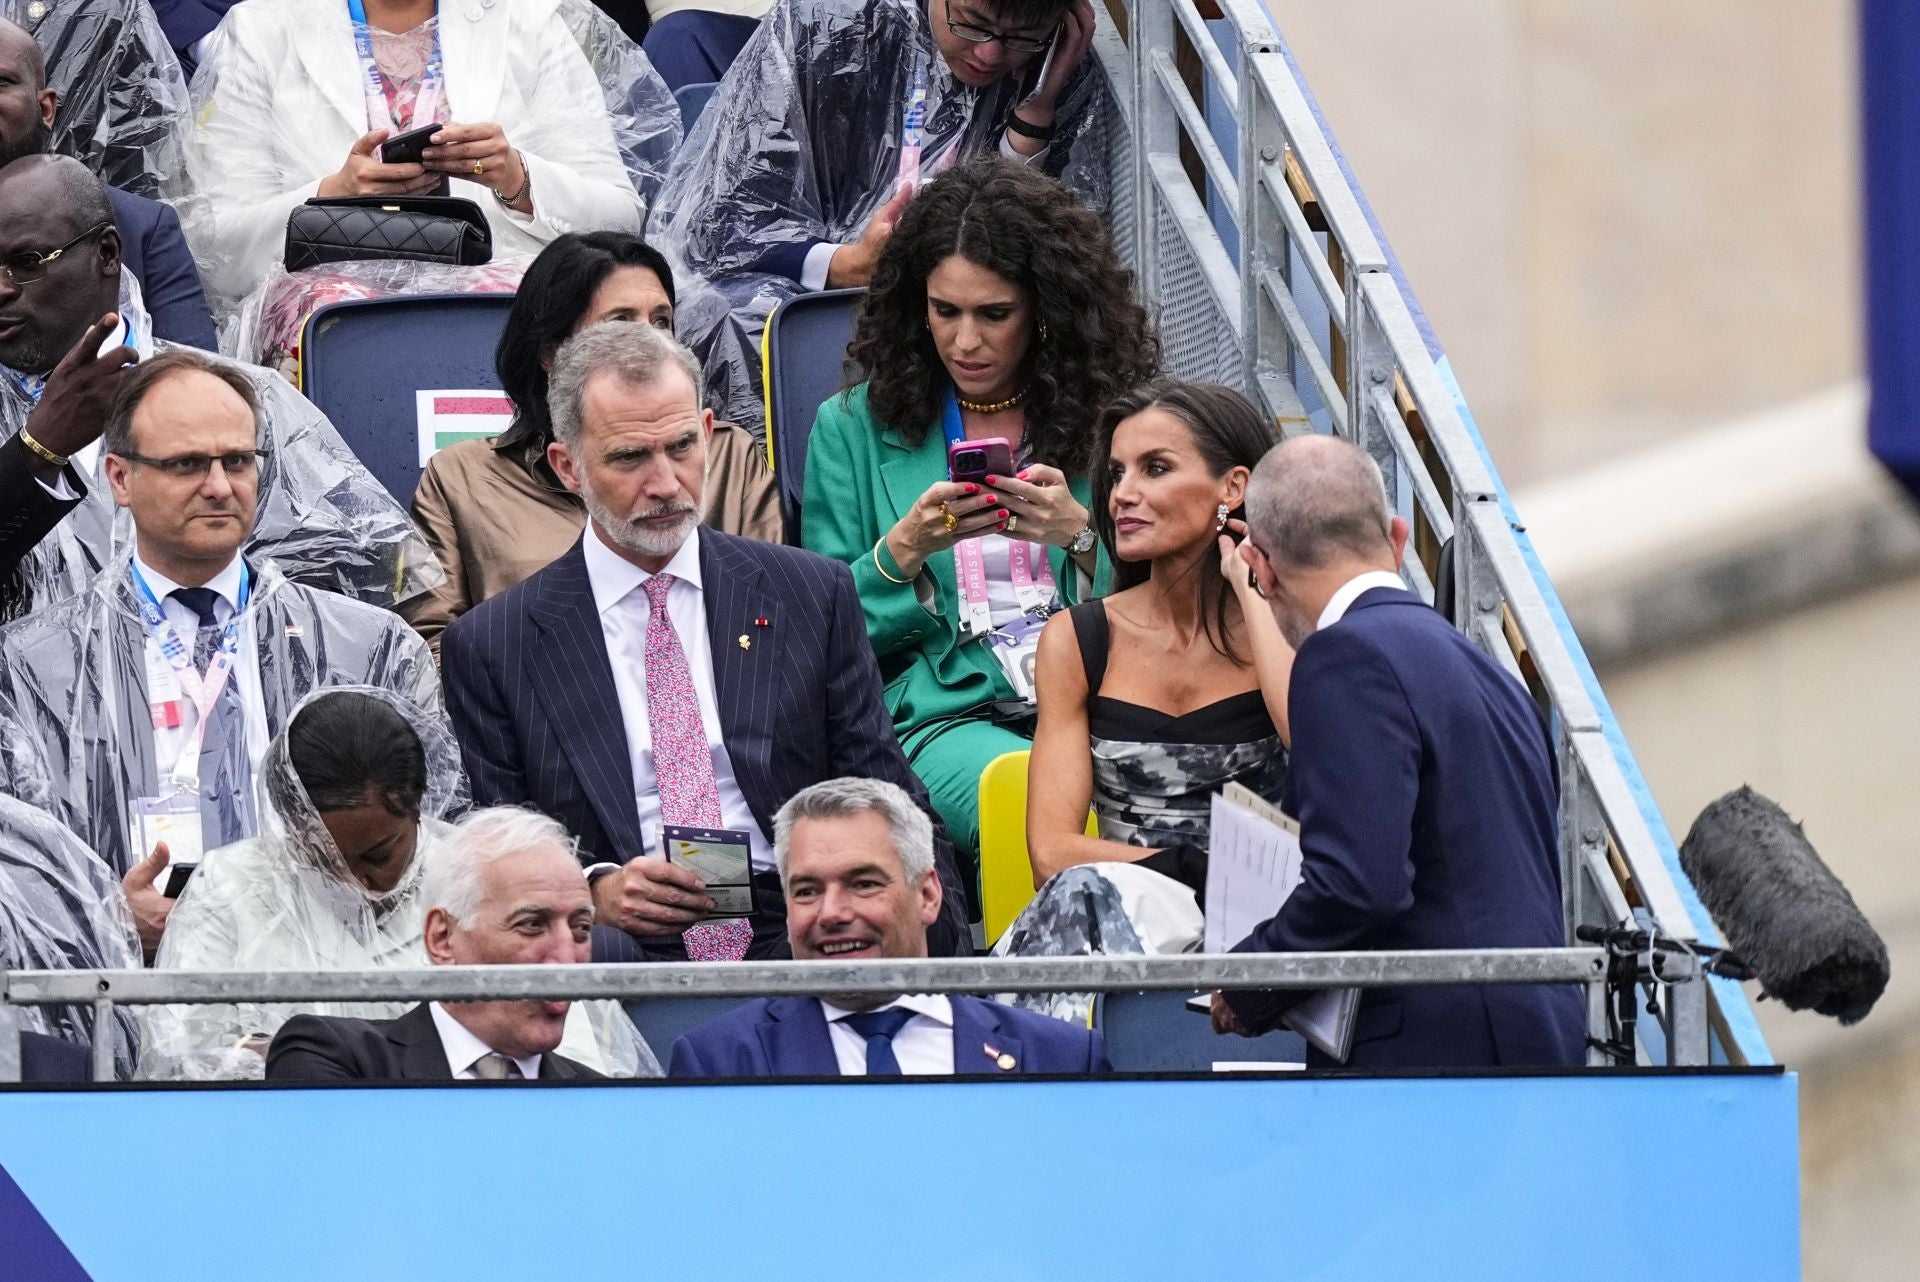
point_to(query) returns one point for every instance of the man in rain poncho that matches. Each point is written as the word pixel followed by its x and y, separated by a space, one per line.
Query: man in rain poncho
pixel 836 109
pixel 143 707
pixel 322 517
pixel 357 788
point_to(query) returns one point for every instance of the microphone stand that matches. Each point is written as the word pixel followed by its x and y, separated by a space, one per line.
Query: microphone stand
pixel 1636 959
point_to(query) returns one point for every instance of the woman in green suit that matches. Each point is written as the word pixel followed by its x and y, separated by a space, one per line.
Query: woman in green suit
pixel 998 309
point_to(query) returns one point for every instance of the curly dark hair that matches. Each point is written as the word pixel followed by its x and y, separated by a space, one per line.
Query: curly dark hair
pixel 1029 230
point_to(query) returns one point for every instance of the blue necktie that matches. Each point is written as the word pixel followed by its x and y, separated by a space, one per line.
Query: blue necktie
pixel 879 1027
pixel 223 794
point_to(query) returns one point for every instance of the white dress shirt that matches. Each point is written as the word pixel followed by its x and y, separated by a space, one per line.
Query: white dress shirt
pixel 168 741
pixel 464 1050
pixel 924 1044
pixel 1352 590
pixel 624 610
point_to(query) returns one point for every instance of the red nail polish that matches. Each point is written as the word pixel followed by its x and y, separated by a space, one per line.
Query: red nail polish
pixel 973 489
pixel 992 479
pixel 1003 514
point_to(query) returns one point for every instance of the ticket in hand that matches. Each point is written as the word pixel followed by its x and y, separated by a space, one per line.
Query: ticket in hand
pixel 723 859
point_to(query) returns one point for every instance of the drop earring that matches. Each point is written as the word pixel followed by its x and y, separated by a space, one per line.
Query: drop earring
pixel 1220 517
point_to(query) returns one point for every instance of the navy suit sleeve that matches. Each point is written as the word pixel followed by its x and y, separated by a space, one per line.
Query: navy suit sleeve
pixel 488 746
pixel 685 1061
pixel 28 512
pixel 861 743
pixel 1097 1056
pixel 307 1050
pixel 187 22
pixel 1355 780
pixel 170 282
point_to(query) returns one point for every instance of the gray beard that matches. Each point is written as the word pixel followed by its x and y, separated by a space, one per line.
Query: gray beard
pixel 635 539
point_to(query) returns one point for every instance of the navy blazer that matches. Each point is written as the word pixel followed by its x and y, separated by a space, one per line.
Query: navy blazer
pixel 188 22
pixel 531 694
pixel 330 1048
pixel 1423 780
pixel 154 249
pixel 787 1037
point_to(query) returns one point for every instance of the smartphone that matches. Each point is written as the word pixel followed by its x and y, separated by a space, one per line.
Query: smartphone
pixel 1046 65
pixel 177 877
pixel 975 461
pixel 405 149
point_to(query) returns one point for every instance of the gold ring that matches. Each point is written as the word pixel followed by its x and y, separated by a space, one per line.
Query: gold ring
pixel 479 168
pixel 953 523
pixel 1013 522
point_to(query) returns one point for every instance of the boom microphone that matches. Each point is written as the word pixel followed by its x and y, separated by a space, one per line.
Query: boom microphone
pixel 1782 909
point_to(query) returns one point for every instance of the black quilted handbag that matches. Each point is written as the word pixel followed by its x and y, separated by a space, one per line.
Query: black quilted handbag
pixel 431 229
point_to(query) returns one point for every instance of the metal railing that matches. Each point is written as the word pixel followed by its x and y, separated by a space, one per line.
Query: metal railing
pixel 1268 253
pixel 103 990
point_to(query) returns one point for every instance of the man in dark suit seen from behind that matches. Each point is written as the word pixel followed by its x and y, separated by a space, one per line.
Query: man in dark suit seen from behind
pixel 152 246
pixel 661 673
pixel 856 856
pixel 505 890
pixel 1422 778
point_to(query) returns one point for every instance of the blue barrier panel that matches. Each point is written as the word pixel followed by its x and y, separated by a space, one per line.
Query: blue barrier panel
pixel 1477 1179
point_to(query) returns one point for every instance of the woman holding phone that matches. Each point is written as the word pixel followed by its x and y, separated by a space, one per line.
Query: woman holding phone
pixel 956 480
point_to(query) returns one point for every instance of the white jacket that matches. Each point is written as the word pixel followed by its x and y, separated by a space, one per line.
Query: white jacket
pixel 280 104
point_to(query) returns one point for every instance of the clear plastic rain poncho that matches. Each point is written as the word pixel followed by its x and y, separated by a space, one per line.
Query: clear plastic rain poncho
pixel 321 517
pixel 124 109
pixel 281 97
pixel 802 143
pixel 73 679
pixel 285 900
pixel 60 909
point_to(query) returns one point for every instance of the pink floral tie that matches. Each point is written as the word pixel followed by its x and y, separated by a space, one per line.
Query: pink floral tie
pixel 683 762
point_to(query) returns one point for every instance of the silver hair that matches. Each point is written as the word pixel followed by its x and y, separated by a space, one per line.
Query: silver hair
pixel 1315 497
pixel 455 879
pixel 635 354
pixel 840 798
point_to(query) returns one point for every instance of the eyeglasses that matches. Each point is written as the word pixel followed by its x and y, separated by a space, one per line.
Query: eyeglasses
pixel 26 267
pixel 981 35
pixel 191 467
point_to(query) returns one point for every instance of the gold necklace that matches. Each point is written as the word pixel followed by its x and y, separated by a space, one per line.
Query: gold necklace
pixel 992 407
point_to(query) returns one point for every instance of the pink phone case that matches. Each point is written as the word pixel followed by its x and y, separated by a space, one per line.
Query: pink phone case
pixel 977 460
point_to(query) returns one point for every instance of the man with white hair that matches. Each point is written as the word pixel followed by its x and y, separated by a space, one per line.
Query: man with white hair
pixel 506 891
pixel 663 680
pixel 856 858
pixel 1421 775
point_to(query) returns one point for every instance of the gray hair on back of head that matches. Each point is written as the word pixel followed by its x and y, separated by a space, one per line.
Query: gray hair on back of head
pixel 1313 498
pixel 634 353
pixel 842 798
pixel 455 879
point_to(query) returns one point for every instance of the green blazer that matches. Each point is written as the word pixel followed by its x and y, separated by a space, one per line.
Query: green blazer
pixel 861 479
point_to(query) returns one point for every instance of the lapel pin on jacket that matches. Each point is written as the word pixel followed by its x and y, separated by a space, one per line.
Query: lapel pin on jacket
pixel 1001 1060
pixel 746 642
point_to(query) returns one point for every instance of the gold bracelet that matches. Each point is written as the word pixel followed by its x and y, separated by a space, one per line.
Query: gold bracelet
pixel 876 562
pixel 35 447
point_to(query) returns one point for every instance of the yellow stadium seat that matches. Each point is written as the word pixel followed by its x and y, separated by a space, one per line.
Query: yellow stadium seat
pixel 1006 874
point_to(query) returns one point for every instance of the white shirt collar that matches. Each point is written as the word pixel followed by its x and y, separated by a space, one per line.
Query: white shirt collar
pixel 226 583
pixel 614 578
pixel 464 1050
pixel 934 1006
pixel 1352 590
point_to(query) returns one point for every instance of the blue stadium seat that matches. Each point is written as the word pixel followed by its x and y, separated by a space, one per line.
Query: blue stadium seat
pixel 1156 1033
pixel 693 100
pixel 362 361
pixel 664 1020
pixel 804 355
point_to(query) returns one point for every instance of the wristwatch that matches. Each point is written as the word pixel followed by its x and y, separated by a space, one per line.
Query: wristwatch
pixel 1083 541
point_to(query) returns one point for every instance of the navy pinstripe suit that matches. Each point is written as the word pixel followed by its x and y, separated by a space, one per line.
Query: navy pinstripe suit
pixel 531 694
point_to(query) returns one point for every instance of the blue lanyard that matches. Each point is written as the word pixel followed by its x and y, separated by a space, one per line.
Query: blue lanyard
pixel 168 637
pixel 425 103
pixel 950 416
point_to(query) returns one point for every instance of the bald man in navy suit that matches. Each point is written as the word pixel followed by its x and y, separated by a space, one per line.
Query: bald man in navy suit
pixel 1422 777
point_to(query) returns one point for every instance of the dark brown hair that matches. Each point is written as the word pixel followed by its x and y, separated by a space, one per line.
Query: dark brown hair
pixel 142 378
pixel 1091 340
pixel 1228 432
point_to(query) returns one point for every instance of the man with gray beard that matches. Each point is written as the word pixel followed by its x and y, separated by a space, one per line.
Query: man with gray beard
pixel 665 676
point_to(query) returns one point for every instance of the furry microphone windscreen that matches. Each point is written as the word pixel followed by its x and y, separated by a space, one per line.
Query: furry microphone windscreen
pixel 1783 911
